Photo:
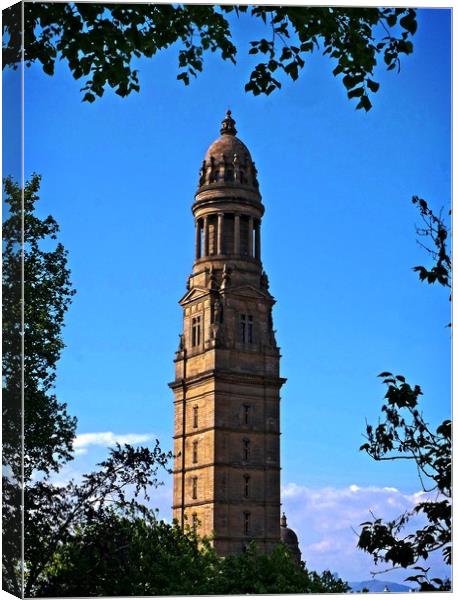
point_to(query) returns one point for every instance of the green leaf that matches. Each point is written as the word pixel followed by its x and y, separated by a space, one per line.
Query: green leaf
pixel 372 85
pixel 409 23
pixel 88 97
pixel 48 68
pixel 356 93
pixel 184 77
pixel 391 20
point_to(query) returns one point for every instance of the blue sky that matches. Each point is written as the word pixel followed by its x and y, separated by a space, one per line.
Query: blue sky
pixel 338 245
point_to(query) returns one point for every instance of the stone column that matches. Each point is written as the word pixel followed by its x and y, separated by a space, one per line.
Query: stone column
pixel 205 232
pixel 250 236
pixel 219 239
pixel 236 234
pixel 258 240
pixel 198 240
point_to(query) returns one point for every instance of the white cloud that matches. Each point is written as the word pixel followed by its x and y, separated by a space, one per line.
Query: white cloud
pixel 108 438
pixel 327 519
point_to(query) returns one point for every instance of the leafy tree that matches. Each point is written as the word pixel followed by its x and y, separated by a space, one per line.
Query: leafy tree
pixel 403 434
pixel 98 41
pixel 133 553
pixel 434 229
pixel 55 514
pixel 38 432
pixel 129 552
pixel 36 295
pixel 33 316
pixel 274 573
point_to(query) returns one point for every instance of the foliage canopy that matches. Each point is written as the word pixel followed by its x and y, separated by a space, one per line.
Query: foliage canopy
pixel 40 309
pixel 38 431
pixel 133 553
pixel 99 41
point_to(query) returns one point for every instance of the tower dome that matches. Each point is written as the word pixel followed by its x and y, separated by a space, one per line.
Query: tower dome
pixel 228 163
pixel 289 537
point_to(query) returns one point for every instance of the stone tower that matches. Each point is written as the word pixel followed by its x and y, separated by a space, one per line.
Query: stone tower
pixel 227 382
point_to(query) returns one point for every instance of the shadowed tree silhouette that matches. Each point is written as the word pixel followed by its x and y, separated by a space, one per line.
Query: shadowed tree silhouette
pixel 404 434
pixel 99 41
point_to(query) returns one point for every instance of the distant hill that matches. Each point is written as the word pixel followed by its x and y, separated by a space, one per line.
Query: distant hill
pixel 374 585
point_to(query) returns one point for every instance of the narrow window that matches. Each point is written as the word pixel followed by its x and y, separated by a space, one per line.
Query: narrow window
pixel 201 239
pixel 246 523
pixel 246 414
pixel 254 241
pixel 243 328
pixel 194 331
pixel 195 334
pixel 194 488
pixel 246 486
pixel 246 450
pixel 194 452
pixel 195 416
pixel 250 329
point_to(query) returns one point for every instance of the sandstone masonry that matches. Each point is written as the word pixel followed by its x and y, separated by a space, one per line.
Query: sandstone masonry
pixel 227 382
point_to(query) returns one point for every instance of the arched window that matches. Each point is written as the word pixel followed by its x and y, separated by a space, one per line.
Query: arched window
pixel 250 329
pixel 246 486
pixel 243 328
pixel 246 414
pixel 246 450
pixel 195 416
pixel 194 452
pixel 246 523
pixel 246 329
pixel 194 488
pixel 195 333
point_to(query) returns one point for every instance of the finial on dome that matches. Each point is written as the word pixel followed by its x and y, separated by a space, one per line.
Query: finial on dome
pixel 228 125
pixel 283 520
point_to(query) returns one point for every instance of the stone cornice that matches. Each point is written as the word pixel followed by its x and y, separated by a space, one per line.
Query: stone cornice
pixel 215 194
pixel 220 375
pixel 238 466
pixel 193 503
pixel 228 430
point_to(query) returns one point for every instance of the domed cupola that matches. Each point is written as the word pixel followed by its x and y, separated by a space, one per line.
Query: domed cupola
pixel 227 207
pixel 228 166
pixel 289 537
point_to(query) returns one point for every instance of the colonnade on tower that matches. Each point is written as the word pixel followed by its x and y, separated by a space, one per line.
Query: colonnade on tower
pixel 227 381
pixel 228 234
